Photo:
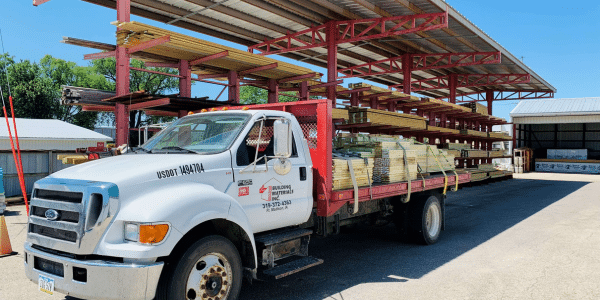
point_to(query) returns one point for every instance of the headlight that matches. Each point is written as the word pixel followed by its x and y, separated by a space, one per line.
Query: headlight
pixel 146 233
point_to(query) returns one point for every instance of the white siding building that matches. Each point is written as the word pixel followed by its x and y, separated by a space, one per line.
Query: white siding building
pixel 41 140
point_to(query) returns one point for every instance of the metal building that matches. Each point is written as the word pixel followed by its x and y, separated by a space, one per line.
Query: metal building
pixel 558 124
pixel 41 141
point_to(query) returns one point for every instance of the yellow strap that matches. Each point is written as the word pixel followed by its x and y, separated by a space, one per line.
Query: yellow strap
pixel 442 169
pixel 407 172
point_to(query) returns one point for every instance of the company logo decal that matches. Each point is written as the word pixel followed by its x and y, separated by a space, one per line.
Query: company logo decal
pixel 273 189
pixel 51 215
pixel 244 191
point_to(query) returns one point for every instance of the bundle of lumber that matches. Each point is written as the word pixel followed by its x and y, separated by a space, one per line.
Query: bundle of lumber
pixel 496 174
pixel 496 153
pixel 473 153
pixel 478 175
pixel 431 159
pixel 473 132
pixel 363 172
pixel 477 108
pixel 486 167
pixel 456 146
pixel 379 117
pixel 442 129
pixel 339 113
pixel 455 153
pixel 499 135
pixel 390 164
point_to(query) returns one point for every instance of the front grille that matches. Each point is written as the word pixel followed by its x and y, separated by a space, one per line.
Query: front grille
pixel 48 266
pixel 55 233
pixel 71 197
pixel 64 215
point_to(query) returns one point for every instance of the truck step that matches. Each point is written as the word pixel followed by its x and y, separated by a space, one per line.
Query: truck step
pixel 291 267
pixel 282 236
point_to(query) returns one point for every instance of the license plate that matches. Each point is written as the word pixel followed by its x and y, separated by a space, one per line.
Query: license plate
pixel 46 284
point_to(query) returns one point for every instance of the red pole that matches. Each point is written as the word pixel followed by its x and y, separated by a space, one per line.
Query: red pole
pixel 331 60
pixel 489 96
pixel 452 82
pixel 406 73
pixel 17 165
pixel 122 77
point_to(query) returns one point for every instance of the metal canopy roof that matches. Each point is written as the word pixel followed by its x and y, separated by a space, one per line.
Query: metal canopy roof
pixel 249 22
pixel 557 107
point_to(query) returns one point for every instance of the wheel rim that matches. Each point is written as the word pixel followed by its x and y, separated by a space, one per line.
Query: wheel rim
pixel 210 278
pixel 432 220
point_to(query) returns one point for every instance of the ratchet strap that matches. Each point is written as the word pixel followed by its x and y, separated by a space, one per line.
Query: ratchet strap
pixel 353 177
pixel 406 170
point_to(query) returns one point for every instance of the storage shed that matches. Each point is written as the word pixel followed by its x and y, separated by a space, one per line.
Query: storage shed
pixel 41 140
pixel 569 128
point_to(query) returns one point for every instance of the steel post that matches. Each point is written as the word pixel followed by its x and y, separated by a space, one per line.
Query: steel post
pixel 489 97
pixel 331 59
pixel 273 91
pixel 406 73
pixel 122 78
pixel 354 99
pixel 373 102
pixel 452 81
pixel 234 86
pixel 185 83
pixel 304 91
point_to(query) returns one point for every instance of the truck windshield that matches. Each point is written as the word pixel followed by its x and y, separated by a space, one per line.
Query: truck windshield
pixel 208 133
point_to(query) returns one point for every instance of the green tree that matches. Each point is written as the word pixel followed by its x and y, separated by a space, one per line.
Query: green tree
pixel 149 82
pixel 255 95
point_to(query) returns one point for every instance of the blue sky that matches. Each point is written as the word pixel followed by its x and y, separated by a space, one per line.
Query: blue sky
pixel 559 40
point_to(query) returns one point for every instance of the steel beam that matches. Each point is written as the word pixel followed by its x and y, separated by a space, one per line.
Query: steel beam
pixel 100 55
pixel 122 78
pixel 420 62
pixel 468 80
pixel 161 65
pixel 304 91
pixel 200 77
pixel 272 91
pixel 209 58
pixel 347 31
pixel 234 87
pixel 149 104
pixel 489 96
pixel 505 95
pixel 149 44
pixel 331 60
pixel 452 83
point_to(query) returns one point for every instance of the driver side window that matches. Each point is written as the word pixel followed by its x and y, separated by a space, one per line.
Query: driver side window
pixel 263 146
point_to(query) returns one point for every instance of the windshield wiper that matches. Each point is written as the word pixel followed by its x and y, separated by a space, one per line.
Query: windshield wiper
pixel 176 148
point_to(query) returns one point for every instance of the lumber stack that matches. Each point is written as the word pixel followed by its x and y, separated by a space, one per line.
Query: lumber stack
pixel 496 153
pixel 377 117
pixel 443 129
pixel 363 172
pixel 473 132
pixel 478 175
pixel 496 174
pixel 426 159
pixel 390 165
pixel 339 113
pixel 456 146
pixel 486 167
pixel 499 135
pixel 473 153
pixel 455 153
pixel 477 108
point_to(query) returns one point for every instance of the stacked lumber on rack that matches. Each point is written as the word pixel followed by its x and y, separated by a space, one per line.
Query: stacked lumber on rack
pixel 486 167
pixel 377 117
pixel 443 129
pixel 499 135
pixel 496 153
pixel 478 175
pixel 456 146
pixel 339 113
pixel 477 108
pixel 474 153
pixel 473 132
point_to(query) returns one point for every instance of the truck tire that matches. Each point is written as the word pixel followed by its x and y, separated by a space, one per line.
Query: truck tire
pixel 426 219
pixel 210 269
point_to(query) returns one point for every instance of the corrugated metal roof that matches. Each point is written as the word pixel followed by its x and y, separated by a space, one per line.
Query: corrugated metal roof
pixel 557 107
pixel 50 129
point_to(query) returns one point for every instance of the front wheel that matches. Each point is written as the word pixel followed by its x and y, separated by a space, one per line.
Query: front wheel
pixel 426 221
pixel 210 269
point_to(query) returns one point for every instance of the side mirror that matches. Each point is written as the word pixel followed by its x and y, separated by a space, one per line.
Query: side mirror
pixel 282 133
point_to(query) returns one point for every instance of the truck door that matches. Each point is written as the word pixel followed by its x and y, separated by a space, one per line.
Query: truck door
pixel 271 200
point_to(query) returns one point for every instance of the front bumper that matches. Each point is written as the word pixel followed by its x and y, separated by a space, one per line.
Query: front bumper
pixel 105 280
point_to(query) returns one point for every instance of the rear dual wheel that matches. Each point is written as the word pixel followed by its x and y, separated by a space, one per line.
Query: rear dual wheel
pixel 424 217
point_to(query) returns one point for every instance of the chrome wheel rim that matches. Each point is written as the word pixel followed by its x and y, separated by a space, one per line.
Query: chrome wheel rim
pixel 433 220
pixel 210 278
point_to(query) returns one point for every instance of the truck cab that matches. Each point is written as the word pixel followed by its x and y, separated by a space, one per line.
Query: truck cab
pixel 208 200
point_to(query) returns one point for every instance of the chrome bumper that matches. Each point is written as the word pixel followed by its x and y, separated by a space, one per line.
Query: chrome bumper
pixel 105 280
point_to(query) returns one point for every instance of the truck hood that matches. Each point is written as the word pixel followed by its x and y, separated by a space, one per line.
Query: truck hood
pixel 135 169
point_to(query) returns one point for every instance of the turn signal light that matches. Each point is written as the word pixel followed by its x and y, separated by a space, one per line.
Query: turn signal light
pixel 245 108
pixel 152 234
pixel 203 110
pixel 225 108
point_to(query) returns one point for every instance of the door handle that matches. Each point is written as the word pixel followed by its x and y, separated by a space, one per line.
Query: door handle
pixel 302 173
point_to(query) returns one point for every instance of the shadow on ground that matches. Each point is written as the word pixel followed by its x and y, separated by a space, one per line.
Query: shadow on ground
pixel 370 254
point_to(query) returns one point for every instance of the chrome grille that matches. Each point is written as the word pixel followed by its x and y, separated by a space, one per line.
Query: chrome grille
pixel 84 211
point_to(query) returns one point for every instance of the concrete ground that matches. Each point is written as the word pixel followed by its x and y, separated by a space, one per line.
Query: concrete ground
pixel 534 237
